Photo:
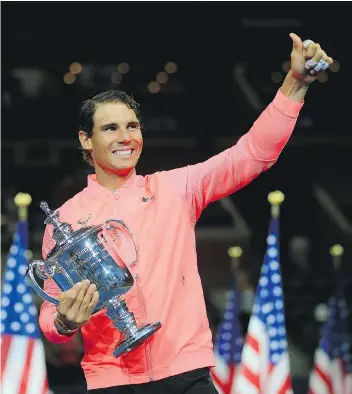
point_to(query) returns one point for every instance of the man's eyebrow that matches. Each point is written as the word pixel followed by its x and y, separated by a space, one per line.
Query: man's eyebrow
pixel 115 125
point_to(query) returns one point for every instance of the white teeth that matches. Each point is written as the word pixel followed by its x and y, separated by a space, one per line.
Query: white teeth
pixel 123 152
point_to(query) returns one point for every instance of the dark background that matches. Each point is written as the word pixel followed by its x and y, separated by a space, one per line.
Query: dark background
pixel 202 109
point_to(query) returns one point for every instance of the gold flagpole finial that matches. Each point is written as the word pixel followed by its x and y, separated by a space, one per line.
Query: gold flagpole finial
pixel 235 252
pixel 276 198
pixel 23 200
pixel 336 252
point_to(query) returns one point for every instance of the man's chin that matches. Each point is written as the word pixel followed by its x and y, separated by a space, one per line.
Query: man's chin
pixel 123 169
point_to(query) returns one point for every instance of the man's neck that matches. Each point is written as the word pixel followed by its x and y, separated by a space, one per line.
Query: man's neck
pixel 111 180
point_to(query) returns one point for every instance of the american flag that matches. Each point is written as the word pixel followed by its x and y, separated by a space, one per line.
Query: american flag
pixel 23 368
pixel 228 347
pixel 331 373
pixel 265 364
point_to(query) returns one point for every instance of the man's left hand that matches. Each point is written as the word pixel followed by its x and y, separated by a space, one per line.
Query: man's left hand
pixel 308 60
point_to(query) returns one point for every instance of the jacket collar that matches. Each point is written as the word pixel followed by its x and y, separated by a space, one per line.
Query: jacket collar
pixel 95 189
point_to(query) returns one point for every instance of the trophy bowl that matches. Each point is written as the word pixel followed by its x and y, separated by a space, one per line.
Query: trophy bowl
pixel 101 254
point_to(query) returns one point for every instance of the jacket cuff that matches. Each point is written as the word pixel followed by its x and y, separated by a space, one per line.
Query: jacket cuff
pixel 287 106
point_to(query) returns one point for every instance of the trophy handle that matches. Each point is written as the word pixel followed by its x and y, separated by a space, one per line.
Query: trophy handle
pixel 38 265
pixel 129 232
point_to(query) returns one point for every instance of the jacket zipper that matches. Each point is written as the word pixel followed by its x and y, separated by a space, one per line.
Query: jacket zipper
pixel 146 345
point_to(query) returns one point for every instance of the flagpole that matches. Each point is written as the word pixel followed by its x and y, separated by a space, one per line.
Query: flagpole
pixel 229 341
pixel 20 332
pixel 336 252
pixel 235 252
pixel 276 198
pixel 265 351
pixel 334 342
pixel 23 201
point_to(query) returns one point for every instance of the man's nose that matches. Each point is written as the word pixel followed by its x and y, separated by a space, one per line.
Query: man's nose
pixel 123 136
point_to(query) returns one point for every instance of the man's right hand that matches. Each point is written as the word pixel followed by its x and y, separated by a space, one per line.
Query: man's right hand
pixel 77 304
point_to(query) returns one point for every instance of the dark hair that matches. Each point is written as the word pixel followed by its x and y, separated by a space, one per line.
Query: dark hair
pixel 87 111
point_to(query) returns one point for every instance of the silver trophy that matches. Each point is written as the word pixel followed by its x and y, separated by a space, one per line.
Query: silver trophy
pixel 101 254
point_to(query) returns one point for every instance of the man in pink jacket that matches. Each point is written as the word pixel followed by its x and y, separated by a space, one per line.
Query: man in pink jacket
pixel 167 286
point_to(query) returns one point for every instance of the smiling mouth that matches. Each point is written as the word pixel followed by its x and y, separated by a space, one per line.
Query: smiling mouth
pixel 123 153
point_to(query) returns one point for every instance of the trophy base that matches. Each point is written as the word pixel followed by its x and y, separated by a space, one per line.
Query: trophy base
pixel 139 336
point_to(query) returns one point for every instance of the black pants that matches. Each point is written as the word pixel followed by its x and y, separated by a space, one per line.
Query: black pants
pixel 197 381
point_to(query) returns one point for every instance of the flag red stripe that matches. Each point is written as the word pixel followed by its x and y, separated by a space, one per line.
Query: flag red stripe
pixel 252 342
pixel 250 376
pixel 286 386
pixel 324 377
pixel 219 382
pixel 27 366
pixel 229 383
pixel 271 367
pixel 45 387
pixel 226 386
pixel 5 346
pixel 344 376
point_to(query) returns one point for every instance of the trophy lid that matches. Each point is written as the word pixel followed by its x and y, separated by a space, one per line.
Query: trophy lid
pixel 62 231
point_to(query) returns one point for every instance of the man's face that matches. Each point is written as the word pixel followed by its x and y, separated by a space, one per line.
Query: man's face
pixel 116 143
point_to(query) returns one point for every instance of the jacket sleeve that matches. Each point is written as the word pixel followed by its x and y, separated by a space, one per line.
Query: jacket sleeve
pixel 48 310
pixel 235 167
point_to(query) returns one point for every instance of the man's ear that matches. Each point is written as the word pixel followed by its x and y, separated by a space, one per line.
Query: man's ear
pixel 85 141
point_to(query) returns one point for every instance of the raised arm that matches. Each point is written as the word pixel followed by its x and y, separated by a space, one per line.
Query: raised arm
pixel 254 153
pixel 259 149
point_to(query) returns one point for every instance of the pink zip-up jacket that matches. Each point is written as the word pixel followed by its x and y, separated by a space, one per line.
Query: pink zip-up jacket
pixel 167 284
